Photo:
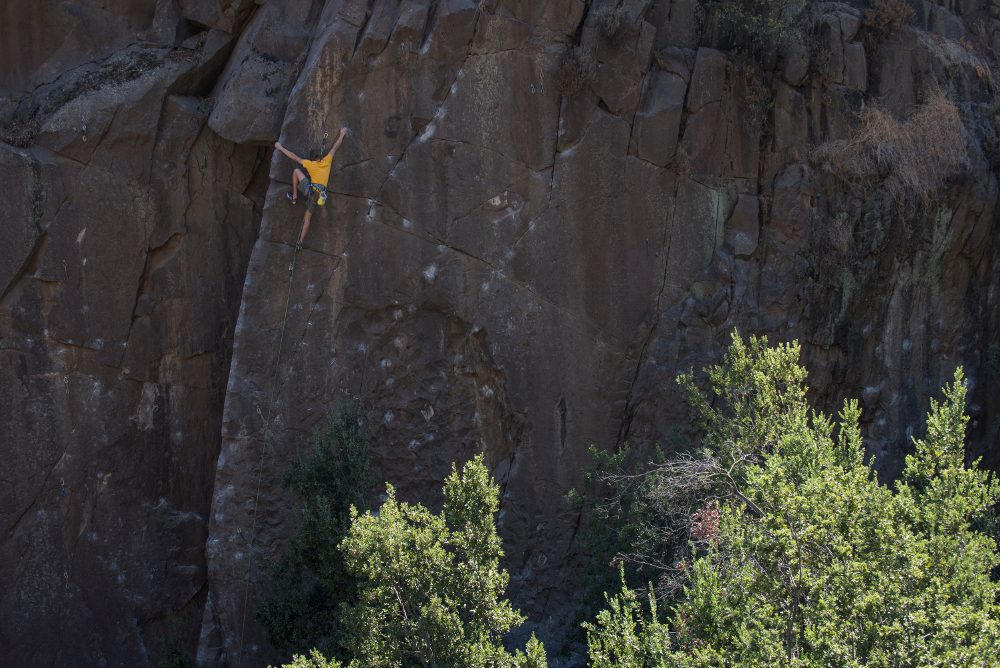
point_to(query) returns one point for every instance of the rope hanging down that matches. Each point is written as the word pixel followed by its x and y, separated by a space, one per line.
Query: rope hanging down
pixel 263 451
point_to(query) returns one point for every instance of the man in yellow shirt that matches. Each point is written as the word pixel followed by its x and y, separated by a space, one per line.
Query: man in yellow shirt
pixel 312 186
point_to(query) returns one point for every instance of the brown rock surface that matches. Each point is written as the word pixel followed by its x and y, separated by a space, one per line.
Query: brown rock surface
pixel 130 225
pixel 499 269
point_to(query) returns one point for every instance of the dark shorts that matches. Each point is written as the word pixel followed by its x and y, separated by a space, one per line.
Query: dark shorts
pixel 306 191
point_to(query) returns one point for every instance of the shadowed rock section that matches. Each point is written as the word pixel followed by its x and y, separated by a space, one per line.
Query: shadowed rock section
pixel 500 268
pixel 130 225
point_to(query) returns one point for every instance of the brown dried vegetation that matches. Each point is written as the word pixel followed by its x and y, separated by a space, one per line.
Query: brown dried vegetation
pixel 885 17
pixel 705 523
pixel 911 159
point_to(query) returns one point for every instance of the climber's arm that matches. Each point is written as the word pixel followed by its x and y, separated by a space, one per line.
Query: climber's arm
pixel 291 156
pixel 336 144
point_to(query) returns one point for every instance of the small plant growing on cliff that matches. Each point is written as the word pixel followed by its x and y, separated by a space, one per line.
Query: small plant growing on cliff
pixel 19 133
pixel 756 28
pixel 310 580
pixel 611 23
pixel 993 361
pixel 758 99
pixel 799 555
pixel 884 18
pixel 576 70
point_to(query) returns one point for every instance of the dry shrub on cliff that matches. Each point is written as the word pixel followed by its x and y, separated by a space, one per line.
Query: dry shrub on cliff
pixel 756 28
pixel 19 133
pixel 576 70
pixel 911 159
pixel 758 99
pixel 885 17
pixel 611 21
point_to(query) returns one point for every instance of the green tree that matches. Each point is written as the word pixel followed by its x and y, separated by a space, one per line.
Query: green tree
pixel 314 659
pixel 430 586
pixel 951 604
pixel 301 610
pixel 799 557
pixel 623 636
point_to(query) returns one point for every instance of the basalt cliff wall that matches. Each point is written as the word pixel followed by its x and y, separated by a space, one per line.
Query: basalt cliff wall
pixel 512 261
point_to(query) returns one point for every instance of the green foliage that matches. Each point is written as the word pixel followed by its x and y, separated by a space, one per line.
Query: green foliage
pixel 993 360
pixel 754 380
pixel 806 560
pixel 314 659
pixel 613 523
pixel 656 512
pixel 175 653
pixel 955 618
pixel 618 539
pixel 176 657
pixel 309 581
pixel 756 28
pixel 430 585
pixel 533 655
pixel 623 636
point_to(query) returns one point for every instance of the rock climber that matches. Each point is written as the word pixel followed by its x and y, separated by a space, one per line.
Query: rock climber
pixel 312 184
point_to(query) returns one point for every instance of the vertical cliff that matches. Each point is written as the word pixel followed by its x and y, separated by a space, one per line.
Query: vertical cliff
pixel 544 211
pixel 128 225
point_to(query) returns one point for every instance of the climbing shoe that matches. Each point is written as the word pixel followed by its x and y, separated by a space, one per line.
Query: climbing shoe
pixel 288 196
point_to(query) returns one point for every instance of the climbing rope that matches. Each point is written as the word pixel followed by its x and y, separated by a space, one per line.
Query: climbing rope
pixel 263 451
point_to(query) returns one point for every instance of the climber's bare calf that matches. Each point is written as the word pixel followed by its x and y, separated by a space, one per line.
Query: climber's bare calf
pixel 313 182
pixel 297 176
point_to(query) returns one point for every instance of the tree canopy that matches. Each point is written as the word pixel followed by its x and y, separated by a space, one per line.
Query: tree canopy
pixel 798 556
pixel 430 589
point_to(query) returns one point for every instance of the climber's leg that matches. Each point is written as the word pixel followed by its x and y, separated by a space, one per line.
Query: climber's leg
pixel 305 225
pixel 300 183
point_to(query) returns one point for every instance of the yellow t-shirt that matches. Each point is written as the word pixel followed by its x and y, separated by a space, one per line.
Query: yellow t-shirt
pixel 319 170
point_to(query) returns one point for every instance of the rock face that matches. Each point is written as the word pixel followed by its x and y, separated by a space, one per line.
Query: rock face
pixel 502 267
pixel 128 225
